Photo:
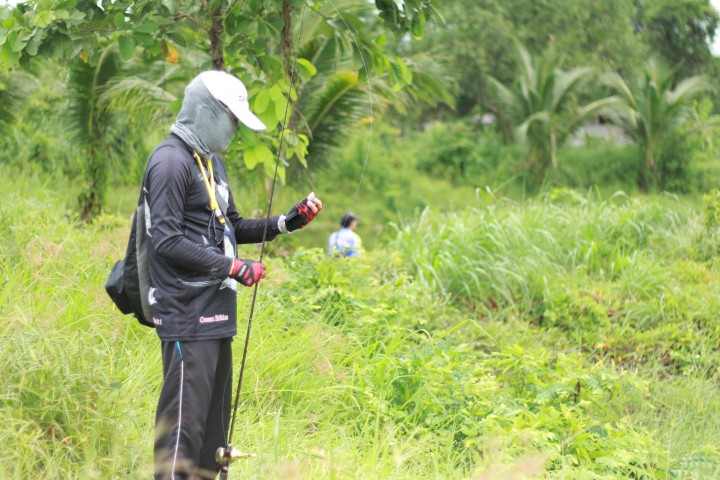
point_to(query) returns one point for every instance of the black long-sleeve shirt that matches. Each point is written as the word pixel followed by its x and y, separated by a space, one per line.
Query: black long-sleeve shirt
pixel 190 296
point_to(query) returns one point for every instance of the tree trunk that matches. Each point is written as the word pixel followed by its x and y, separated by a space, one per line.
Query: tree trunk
pixel 537 163
pixel 92 197
pixel 650 157
pixel 286 45
pixel 216 46
pixel 286 50
pixel 553 150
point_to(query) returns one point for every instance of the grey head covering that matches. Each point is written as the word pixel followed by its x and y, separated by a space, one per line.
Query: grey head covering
pixel 203 123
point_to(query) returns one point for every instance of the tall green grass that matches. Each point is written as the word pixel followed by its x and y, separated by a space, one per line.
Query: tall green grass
pixel 621 281
pixel 481 345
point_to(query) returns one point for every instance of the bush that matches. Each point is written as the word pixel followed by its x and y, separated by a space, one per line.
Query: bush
pixel 463 154
pixel 598 164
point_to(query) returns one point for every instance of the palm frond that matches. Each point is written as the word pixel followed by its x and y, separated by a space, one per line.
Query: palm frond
pixel 617 83
pixel 14 89
pixel 335 110
pixel 566 83
pixel 137 96
pixel 538 117
pixel 86 82
pixel 652 112
pixel 689 89
pixel 431 84
pixel 604 106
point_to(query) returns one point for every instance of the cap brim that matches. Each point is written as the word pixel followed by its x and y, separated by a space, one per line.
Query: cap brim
pixel 247 118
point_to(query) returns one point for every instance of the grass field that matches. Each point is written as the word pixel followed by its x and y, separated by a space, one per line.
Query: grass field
pixel 564 337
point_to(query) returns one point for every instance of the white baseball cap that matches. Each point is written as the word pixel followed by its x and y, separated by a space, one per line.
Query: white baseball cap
pixel 230 91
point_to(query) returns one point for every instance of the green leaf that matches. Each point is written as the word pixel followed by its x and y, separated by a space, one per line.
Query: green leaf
pixel 277 94
pixel 259 154
pixel 144 39
pixel 417 29
pixel 266 114
pixel 406 72
pixel 119 19
pixel 261 102
pixel 248 137
pixel 147 27
pixel 279 100
pixel 44 19
pixel 291 140
pixel 307 69
pixel 8 57
pixel 34 43
pixel 280 108
pixel 20 42
pixel 127 47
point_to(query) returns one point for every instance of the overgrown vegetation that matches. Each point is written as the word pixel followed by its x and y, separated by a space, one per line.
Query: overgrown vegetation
pixel 552 337
pixel 509 320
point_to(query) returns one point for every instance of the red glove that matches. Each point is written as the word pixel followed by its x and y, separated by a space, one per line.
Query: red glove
pixel 301 214
pixel 247 272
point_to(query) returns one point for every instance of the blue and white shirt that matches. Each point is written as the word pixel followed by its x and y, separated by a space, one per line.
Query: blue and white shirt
pixel 344 243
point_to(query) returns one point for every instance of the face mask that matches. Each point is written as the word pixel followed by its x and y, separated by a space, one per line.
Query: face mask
pixel 203 123
pixel 220 132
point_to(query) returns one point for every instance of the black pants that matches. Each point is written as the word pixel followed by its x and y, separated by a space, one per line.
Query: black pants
pixel 193 412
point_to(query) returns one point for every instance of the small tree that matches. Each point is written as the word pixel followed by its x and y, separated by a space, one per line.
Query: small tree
pixel 652 110
pixel 542 105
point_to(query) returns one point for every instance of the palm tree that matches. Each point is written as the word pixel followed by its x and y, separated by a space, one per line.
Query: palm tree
pixel 105 102
pixel 340 97
pixel 542 105
pixel 89 122
pixel 652 109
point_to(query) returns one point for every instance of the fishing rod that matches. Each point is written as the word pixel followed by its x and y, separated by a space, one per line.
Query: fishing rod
pixel 228 454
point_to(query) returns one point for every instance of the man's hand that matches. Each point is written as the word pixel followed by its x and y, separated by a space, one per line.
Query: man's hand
pixel 247 272
pixel 301 213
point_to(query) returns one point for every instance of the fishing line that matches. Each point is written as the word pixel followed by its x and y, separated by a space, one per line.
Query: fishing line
pixel 370 93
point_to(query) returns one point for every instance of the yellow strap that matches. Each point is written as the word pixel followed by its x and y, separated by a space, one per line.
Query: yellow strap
pixel 210 186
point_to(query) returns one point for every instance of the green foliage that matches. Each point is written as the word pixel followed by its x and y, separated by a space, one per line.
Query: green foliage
pixel 542 105
pixel 712 209
pixel 623 278
pixel 408 15
pixel 13 88
pixel 342 38
pixel 477 34
pixel 598 165
pixel 474 157
pixel 357 75
pixel 89 120
pixel 358 370
pixel 653 112
pixel 511 253
pixel 681 32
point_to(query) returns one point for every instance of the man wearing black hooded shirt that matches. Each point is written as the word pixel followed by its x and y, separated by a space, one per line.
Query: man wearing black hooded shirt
pixel 193 228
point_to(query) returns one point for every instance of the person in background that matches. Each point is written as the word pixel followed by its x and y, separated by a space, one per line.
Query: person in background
pixel 345 242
